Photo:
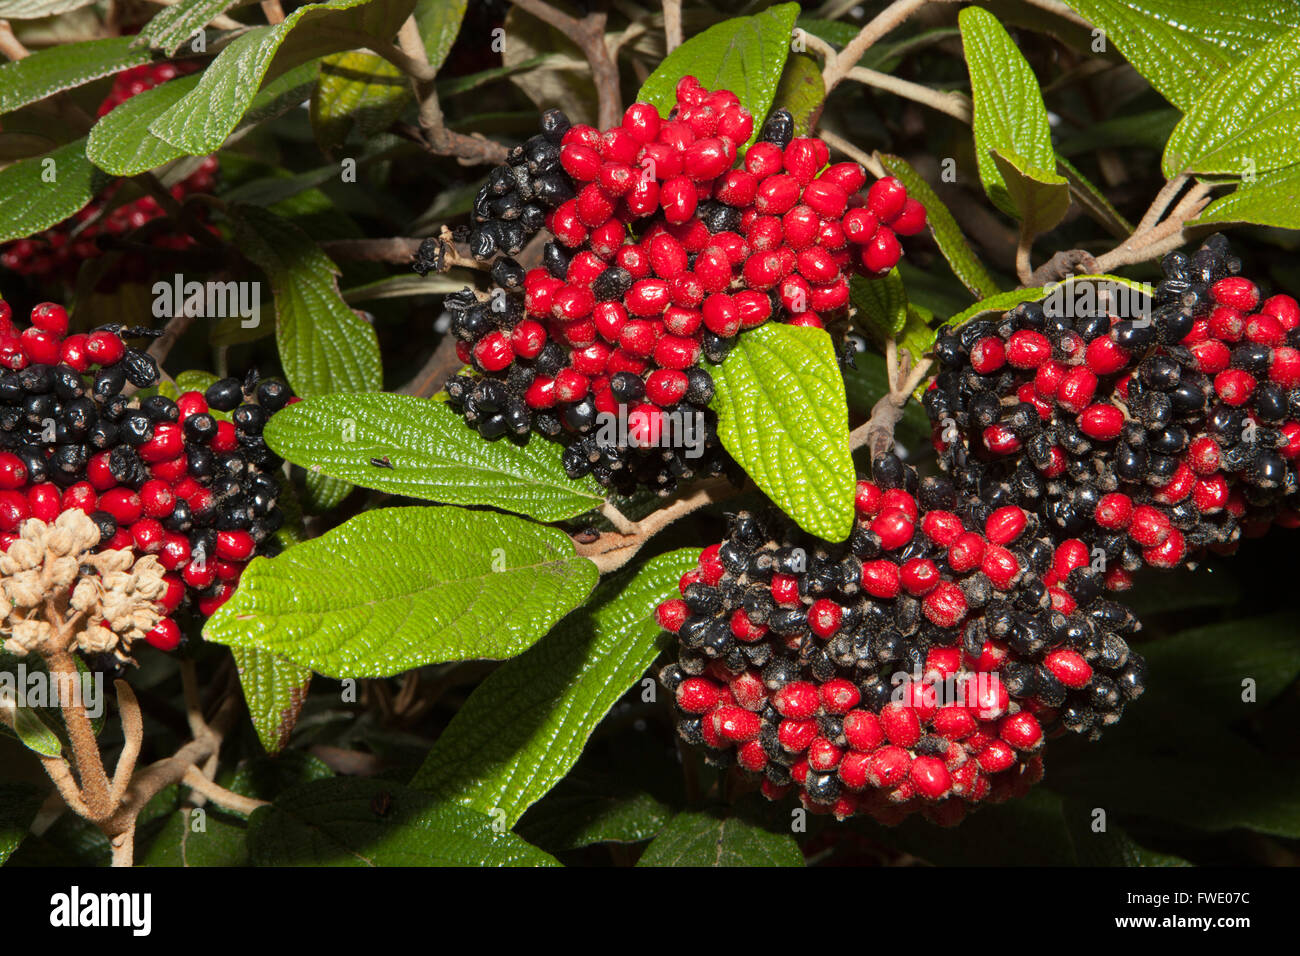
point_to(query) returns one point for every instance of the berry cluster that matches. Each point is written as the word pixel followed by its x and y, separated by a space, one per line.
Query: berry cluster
pixel 158 477
pixel 916 667
pixel 664 251
pixel 1142 440
pixel 58 252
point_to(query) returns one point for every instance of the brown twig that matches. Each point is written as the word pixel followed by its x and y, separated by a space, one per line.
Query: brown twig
pixel 273 12
pixel 195 780
pixel 85 749
pixel 954 104
pixel 589 34
pixel 887 20
pixel 1061 266
pixel 1156 241
pixel 877 433
pixel 673 24
pixel 128 709
pixel 613 549
pixel 10 46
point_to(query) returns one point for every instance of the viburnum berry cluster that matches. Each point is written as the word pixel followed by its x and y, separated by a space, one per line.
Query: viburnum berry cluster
pixel 664 251
pixel 59 252
pixel 180 480
pixel 1143 440
pixel 918 666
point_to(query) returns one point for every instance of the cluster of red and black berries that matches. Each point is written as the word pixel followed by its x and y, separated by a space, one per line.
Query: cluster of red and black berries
pixel 664 250
pixel 1139 439
pixel 918 666
pixel 58 252
pixel 180 479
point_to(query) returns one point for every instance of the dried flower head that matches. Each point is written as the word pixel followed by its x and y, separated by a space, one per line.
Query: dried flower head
pixel 61 595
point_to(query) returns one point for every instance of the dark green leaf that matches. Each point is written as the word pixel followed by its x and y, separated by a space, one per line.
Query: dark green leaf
pixel 196 838
pixel 744 54
pixel 966 266
pixel 1040 196
pixel 274 690
pixel 18 805
pixel 43 191
pixel 172 26
pixel 434 456
pixel 710 838
pixel 401 587
pixel 526 725
pixel 359 822
pixel 439 22
pixel 64 67
pixel 1273 199
pixel 881 305
pixel 801 91
pixel 585 809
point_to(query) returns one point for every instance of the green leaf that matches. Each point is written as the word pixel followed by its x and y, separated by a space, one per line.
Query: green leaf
pixel 1093 199
pixel 64 67
pixel 1273 199
pixel 1245 122
pixel 1209 664
pixel 18 805
pixel 357 91
pixel 324 345
pixel 439 22
pixel 1041 197
pixel 782 415
pixel 324 493
pixel 171 27
pixel 744 54
pixel 1028 831
pixel 220 842
pixel 43 191
pixel 274 690
pixel 360 822
pixel 965 265
pixel 265 778
pixel 881 305
pixel 523 728
pixel 434 455
pixel 584 809
pixel 1149 130
pixel 1111 846
pixel 801 91
pixel 1181 46
pixel 1183 590
pixel 25 723
pixel 398 588
pixel 201 121
pixel 710 838
pixel 121 143
pixel 1009 111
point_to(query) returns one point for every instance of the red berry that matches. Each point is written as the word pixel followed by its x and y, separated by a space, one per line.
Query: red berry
pixel 886 198
pixel 165 636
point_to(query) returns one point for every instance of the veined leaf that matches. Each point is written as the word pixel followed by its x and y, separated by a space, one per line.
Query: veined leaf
pixel 783 416
pixel 523 728
pixel 43 191
pixel 710 838
pixel 743 54
pixel 1272 200
pixel 274 690
pixel 433 455
pixel 64 67
pixel 173 25
pixel 398 588
pixel 1041 197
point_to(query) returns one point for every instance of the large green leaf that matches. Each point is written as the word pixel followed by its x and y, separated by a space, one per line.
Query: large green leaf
pixel 1009 114
pixel 439 22
pixel 201 121
pixel 64 67
pixel 324 345
pixel 881 304
pixel 711 838
pixel 801 91
pixel 357 91
pixel 121 143
pixel 519 733
pixel 220 842
pixel 434 456
pixel 173 25
pixel 744 54
pixel 42 191
pixel 965 265
pixel 585 809
pixel 360 822
pixel 1209 664
pixel 1271 200
pixel 401 587
pixel 274 690
pixel 782 415
pixel 1040 196
pixel 1245 123
pixel 1180 46
pixel 18 805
